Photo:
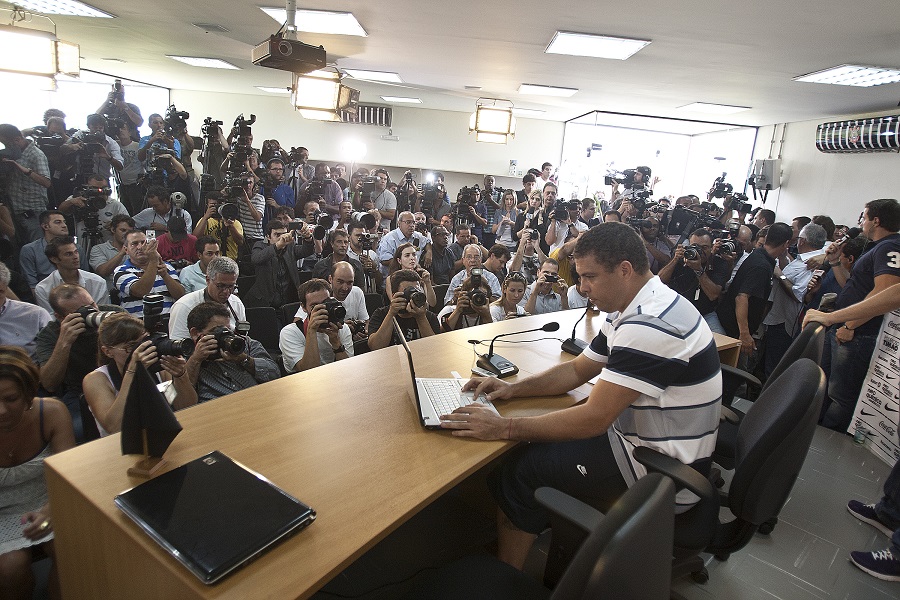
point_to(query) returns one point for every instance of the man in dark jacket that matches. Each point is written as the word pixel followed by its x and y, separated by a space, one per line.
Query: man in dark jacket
pixel 275 260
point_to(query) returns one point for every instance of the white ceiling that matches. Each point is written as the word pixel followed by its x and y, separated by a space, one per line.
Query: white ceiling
pixel 716 51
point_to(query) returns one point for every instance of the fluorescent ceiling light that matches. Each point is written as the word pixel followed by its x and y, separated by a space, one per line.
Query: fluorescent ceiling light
pixel 546 90
pixel 715 109
pixel 320 21
pixel 598 46
pixel 62 7
pixel 858 75
pixel 401 100
pixel 209 63
pixel 527 112
pixel 274 90
pixel 27 51
pixel 384 76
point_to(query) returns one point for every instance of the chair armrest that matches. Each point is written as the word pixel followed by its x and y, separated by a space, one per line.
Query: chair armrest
pixel 734 372
pixel 568 508
pixel 730 416
pixel 684 476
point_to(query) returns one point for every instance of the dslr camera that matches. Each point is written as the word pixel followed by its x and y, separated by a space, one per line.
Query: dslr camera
pixel 228 341
pixel 157 326
pixel 415 295
pixel 336 311
pixel 692 252
pixel 477 297
pixel 93 317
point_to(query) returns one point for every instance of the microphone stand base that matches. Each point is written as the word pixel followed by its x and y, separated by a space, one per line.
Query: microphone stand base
pixel 497 365
pixel 574 346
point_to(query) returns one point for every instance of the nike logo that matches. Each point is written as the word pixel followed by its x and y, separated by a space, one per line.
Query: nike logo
pixel 863 413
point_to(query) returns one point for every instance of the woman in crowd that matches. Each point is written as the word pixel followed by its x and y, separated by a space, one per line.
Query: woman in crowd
pixel 512 293
pixel 407 257
pixel 30 431
pixel 123 343
pixel 505 221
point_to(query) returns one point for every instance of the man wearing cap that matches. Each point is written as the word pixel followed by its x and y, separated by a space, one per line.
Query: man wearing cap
pixel 177 243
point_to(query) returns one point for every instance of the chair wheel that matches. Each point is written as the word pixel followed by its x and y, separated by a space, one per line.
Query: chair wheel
pixel 701 576
pixel 719 482
pixel 767 527
pixel 722 557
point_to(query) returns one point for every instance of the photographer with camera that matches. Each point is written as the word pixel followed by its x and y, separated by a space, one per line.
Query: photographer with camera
pixel 221 279
pixel 35 265
pixel 302 171
pixel 549 292
pixel 274 189
pixel 116 108
pixel 472 259
pixel 322 337
pixel 160 208
pixel 96 152
pixel 275 261
pixel 105 257
pixel 123 342
pixel 361 249
pixel 130 176
pixel 158 135
pixel 251 208
pixel 383 199
pixel 64 255
pixel 222 362
pixel 66 348
pixel 434 203
pixel 145 272
pixel 405 258
pixel 323 190
pixel 409 306
pixel 405 233
pixel 28 179
pixel 93 211
pixel 470 306
pixel 221 222
pixel 564 224
pixel 697 273
pixel 528 257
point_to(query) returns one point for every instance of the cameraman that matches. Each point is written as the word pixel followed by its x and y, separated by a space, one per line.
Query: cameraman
pixel 367 257
pixel 28 185
pixel 67 348
pixel 213 370
pixel 115 107
pixel 470 306
pixel 405 233
pixel 415 321
pixel 659 250
pixel 700 279
pixel 63 254
pixel 107 256
pixel 549 293
pixel 383 200
pixel 158 134
pixel 220 222
pixel 95 157
pixel 564 224
pixel 323 189
pixel 528 258
pixel 82 204
pixel 275 261
pixel 316 340
pixel 131 186
pixel 160 209
pixel 252 207
pixel 274 189
pixel 221 279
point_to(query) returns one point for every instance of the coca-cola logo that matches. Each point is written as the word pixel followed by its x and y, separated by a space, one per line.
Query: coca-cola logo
pixel 894 326
pixel 888 428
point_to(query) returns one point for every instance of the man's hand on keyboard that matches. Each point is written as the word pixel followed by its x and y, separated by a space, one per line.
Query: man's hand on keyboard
pixel 476 421
pixel 491 387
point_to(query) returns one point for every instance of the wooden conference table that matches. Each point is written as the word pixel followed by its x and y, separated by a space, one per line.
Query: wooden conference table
pixel 344 438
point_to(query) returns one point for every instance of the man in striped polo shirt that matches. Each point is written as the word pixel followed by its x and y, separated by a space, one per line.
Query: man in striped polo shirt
pixel 145 272
pixel 659 386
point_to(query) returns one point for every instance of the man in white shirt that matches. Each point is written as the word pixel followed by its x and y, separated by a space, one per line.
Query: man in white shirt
pixel 81 203
pixel 106 257
pixel 405 233
pixel 221 278
pixel 315 340
pixel 341 277
pixel 63 254
pixel 20 322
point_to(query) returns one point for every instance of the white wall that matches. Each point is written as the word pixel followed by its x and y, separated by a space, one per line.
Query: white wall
pixel 429 139
pixel 814 183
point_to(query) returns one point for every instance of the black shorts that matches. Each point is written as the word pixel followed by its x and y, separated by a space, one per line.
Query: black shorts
pixel 584 469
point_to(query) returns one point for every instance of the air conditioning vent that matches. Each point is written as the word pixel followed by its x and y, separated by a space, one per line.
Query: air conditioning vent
pixel 879 134
pixel 369 114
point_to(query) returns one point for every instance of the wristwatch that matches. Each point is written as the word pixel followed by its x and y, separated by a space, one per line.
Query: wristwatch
pixel 246 362
pixel 339 349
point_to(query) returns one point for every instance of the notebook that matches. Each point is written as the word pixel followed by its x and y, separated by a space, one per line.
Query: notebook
pixel 213 514
pixel 436 397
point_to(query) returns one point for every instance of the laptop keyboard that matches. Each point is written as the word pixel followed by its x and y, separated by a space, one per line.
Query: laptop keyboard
pixel 445 395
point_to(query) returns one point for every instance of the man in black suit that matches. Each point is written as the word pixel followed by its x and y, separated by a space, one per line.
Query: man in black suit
pixel 275 260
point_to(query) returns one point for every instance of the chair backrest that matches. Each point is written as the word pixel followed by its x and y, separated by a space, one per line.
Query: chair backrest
pixel 439 292
pixel 374 302
pixel 288 311
pixel 629 556
pixel 773 440
pixel 809 344
pixel 264 326
pixel 244 283
pixel 90 431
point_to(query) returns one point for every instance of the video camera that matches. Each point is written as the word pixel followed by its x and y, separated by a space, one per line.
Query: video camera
pixel 738 202
pixel 209 126
pixel 369 184
pixel 95 197
pixel 157 326
pixel 367 241
pixel 240 144
pixel 639 223
pixel 562 207
pixel 117 93
pixel 719 188
pixel 175 120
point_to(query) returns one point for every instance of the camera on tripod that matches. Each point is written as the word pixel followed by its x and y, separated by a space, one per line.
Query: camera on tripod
pixel 367 241
pixel 157 326
pixel 240 144
pixel 720 189
pixel 175 121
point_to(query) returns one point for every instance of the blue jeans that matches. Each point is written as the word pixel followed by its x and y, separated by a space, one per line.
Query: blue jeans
pixel 712 319
pixel 849 365
pixel 888 508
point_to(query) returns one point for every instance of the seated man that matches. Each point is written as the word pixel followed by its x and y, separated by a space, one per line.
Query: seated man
pixel 66 348
pixel 177 245
pixel 35 264
pixel 404 234
pixel 63 253
pixel 20 322
pixel 415 321
pixel 549 292
pixel 107 256
pixel 193 276
pixel 340 244
pixel 661 356
pixel 496 261
pixel 442 260
pixel 354 300
pixel 472 260
pixel 221 278
pixel 144 272
pixel 217 368
pixel 471 305
pixel 316 340
pixel 160 210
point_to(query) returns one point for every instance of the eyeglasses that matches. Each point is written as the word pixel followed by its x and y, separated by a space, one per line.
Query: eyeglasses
pixel 224 287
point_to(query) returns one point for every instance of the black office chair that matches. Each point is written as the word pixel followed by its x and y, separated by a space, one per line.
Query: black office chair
pixel 90 431
pixel 244 283
pixel 772 442
pixel 264 327
pixel 626 556
pixel 361 347
pixel 374 302
pixel 439 292
pixel 288 311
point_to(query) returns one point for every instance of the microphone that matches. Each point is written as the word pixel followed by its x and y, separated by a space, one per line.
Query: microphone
pixel 500 366
pixel 851 233
pixel 573 345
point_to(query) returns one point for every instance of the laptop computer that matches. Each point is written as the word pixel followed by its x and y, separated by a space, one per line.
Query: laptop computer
pixel 436 397
pixel 214 515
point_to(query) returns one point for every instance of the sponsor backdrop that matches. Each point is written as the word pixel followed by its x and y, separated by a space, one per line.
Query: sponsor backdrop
pixel 876 417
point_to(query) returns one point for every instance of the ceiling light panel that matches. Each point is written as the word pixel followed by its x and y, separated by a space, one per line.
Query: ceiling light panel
pixel 320 21
pixel 401 100
pixel 546 90
pixel 715 109
pixel 855 75
pixel 597 46
pixel 382 76
pixel 62 7
pixel 208 63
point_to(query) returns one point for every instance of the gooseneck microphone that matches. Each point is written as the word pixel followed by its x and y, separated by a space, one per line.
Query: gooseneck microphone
pixel 500 366
pixel 573 345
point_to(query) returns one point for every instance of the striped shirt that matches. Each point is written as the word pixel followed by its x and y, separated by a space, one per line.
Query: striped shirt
pixel 24 193
pixel 661 347
pixel 126 274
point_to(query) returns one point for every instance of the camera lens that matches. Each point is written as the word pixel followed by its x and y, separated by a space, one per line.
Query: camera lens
pixel 478 298
pixel 415 295
pixel 336 310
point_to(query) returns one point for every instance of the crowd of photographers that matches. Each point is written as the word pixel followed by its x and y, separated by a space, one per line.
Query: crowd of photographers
pixel 152 275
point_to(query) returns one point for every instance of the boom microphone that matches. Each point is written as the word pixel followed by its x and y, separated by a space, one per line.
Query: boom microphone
pixel 573 345
pixel 500 366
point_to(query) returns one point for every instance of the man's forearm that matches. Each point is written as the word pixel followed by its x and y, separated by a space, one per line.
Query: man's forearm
pixel 310 359
pixel 382 338
pixel 174 286
pixel 144 284
pixel 106 269
pixel 741 311
pixel 709 288
pixel 54 370
pixel 665 274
